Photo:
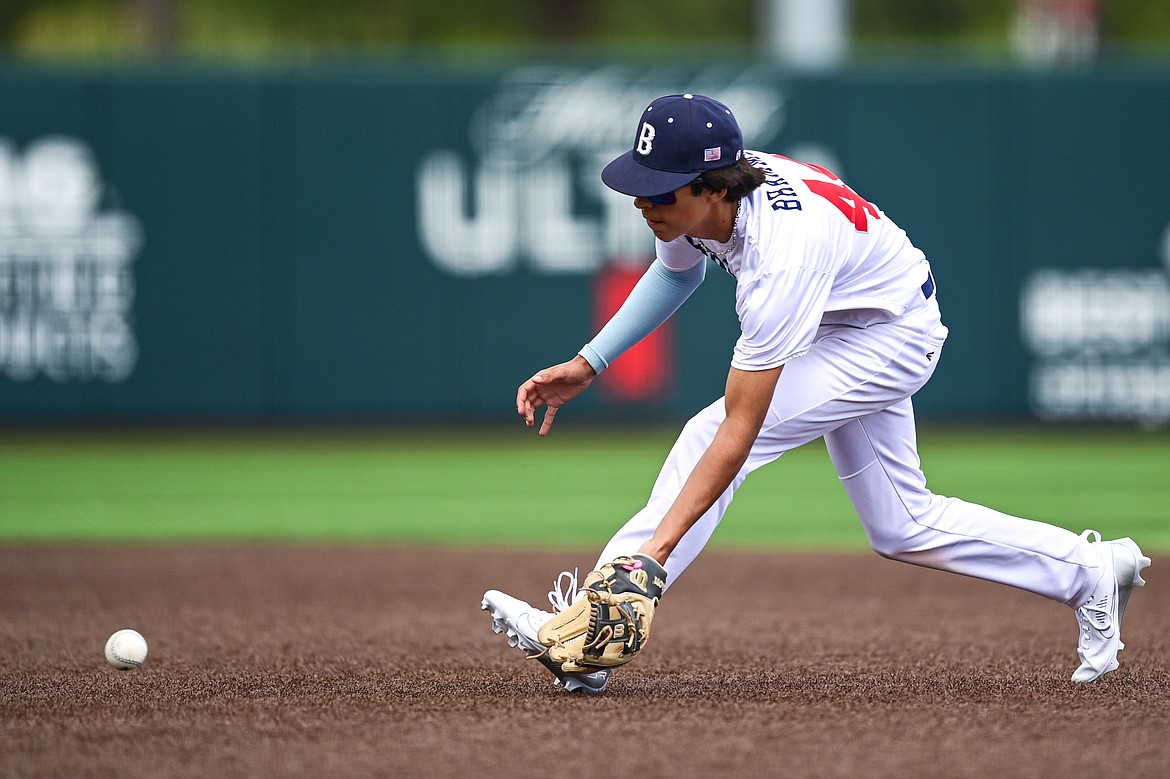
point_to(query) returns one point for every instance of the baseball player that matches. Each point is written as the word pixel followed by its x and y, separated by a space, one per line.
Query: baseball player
pixel 840 326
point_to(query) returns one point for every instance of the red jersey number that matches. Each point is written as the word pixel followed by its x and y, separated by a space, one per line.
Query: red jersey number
pixel 855 208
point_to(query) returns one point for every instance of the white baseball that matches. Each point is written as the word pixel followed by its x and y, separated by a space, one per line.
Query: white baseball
pixel 126 650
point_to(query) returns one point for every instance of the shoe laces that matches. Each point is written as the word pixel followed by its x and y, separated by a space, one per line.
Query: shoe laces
pixel 1097 615
pixel 563 591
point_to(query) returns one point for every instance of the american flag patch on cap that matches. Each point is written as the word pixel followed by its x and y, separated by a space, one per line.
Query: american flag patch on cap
pixel 710 155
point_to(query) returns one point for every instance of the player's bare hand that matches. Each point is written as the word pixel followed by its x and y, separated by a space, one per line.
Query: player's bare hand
pixel 553 387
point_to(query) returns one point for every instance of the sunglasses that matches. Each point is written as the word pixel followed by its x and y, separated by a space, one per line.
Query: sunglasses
pixel 669 198
pixel 665 199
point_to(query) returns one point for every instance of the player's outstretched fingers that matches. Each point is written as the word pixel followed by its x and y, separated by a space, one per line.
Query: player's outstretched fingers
pixel 528 400
pixel 549 414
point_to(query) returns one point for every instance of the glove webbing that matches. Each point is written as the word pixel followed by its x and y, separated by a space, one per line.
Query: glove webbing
pixel 623 628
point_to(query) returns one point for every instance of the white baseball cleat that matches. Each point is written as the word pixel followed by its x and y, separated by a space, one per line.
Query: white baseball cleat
pixel 1100 615
pixel 521 622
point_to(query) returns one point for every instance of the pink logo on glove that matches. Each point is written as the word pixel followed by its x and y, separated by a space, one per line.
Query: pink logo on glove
pixel 636 566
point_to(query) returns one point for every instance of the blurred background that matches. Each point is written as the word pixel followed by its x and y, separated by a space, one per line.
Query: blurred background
pixel 304 211
pixel 803 32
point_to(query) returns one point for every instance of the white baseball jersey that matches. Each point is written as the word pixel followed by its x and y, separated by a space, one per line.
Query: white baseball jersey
pixel 808 251
pixel 832 289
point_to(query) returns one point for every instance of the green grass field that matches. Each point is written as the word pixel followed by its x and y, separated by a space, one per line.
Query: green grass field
pixel 506 487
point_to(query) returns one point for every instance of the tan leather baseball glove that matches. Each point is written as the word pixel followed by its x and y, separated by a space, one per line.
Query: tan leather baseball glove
pixel 609 623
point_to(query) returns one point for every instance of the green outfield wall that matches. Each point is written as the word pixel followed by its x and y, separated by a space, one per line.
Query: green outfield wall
pixel 406 243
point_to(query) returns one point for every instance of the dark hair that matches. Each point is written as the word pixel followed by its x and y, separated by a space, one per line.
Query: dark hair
pixel 740 180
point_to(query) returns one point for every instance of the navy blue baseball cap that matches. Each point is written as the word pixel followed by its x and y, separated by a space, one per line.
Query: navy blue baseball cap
pixel 678 138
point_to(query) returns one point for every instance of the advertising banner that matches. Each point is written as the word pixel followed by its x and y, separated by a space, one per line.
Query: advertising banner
pixel 408 244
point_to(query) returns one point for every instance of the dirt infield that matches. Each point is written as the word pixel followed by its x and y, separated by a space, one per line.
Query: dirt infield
pixel 291 661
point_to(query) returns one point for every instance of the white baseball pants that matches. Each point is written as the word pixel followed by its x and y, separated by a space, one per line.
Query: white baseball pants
pixel 853 388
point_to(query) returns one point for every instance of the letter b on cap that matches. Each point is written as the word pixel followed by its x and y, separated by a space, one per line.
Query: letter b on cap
pixel 645 139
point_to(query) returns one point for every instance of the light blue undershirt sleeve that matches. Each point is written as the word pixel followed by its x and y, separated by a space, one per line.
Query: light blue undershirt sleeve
pixel 656 296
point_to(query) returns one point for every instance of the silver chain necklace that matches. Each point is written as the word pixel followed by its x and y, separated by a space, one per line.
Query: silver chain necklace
pixel 722 255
